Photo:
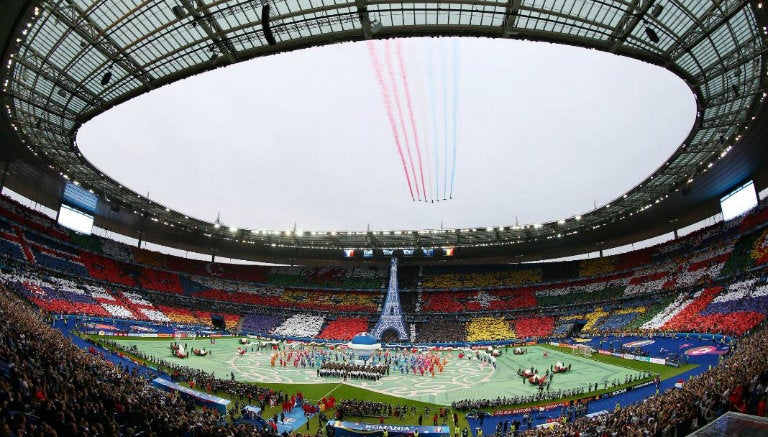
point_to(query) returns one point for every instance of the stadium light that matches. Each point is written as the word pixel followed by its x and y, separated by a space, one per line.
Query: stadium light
pixel 651 34
pixel 106 78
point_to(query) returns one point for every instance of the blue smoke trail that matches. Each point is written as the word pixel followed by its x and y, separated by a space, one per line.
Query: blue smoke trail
pixel 455 106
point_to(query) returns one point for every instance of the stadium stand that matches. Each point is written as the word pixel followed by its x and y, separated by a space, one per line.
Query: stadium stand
pixel 79 392
pixel 183 316
pixel 440 329
pixel 106 269
pixel 149 258
pixel 683 288
pixel 589 268
pixel 593 318
pixel 620 284
pixel 531 327
pixel 18 213
pixel 453 277
pixel 300 325
pixel 152 279
pixel 343 328
pixel 261 324
pixel 489 328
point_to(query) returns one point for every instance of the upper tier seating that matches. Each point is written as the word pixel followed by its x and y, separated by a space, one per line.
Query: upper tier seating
pixel 444 301
pixel 460 301
pixel 634 259
pixel 589 268
pixel 648 280
pixel 117 251
pixel 341 302
pixel 150 258
pixel 369 277
pixel 754 218
pixel 106 269
pixel 585 290
pixel 157 280
pixel 477 277
pixel 20 214
pixel 491 289
pixel 90 243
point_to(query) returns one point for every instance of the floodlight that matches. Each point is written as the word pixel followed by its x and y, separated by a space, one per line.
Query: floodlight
pixel 652 35
pixel 106 78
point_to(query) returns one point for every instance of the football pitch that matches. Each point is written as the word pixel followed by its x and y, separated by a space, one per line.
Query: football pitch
pixel 460 379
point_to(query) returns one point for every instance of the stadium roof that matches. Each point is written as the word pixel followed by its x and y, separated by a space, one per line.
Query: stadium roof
pixel 64 62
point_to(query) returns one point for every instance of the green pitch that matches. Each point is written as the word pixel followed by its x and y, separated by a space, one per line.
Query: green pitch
pixel 462 378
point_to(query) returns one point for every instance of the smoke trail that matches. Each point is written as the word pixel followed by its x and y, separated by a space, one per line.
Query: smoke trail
pixel 455 106
pixel 373 55
pixel 444 53
pixel 393 80
pixel 404 76
pixel 417 54
pixel 433 101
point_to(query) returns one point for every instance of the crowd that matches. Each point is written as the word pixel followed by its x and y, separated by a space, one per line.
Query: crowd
pixel 50 387
pixel 474 404
pixel 545 393
pixel 739 384
pixel 441 328
pixel 363 408
pixel 209 382
pixel 354 407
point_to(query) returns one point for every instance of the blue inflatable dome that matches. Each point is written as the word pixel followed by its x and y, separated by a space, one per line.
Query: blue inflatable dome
pixel 364 339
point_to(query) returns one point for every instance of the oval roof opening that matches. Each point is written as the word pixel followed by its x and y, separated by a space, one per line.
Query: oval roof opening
pixel 398 134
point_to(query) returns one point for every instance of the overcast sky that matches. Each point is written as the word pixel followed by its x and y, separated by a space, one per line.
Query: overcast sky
pixel 542 132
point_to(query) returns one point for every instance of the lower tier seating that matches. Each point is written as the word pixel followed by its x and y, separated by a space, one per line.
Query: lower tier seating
pixel 343 328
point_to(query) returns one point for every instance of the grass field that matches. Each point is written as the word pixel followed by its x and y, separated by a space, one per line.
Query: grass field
pixel 460 379
pixel 664 372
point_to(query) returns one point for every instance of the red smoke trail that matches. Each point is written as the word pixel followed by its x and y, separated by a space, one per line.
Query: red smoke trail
pixel 388 106
pixel 400 111
pixel 404 76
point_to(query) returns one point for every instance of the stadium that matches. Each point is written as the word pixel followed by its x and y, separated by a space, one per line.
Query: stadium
pixel 467 330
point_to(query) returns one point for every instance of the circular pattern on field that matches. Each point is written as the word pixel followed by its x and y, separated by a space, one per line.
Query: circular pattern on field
pixel 461 378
